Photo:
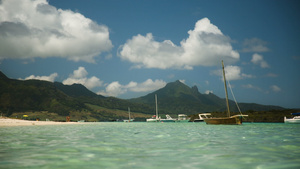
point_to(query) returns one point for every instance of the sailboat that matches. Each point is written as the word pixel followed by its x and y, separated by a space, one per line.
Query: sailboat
pixel 129 119
pixel 231 120
pixel 155 117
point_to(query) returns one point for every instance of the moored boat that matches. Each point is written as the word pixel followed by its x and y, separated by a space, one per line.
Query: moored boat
pixel 129 119
pixel 182 118
pixel 202 116
pixel 168 119
pixel 230 120
pixel 237 119
pixel 295 119
pixel 154 118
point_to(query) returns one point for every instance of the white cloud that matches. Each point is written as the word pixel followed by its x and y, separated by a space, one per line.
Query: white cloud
pixel 116 89
pixel 30 29
pixel 250 86
pixel 50 78
pixel 254 45
pixel 205 46
pixel 79 76
pixel 259 60
pixel 182 81
pixel 275 88
pixel 148 85
pixel 113 89
pixel 208 91
pixel 232 73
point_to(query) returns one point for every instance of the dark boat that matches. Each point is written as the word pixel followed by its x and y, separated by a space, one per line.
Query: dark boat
pixel 230 120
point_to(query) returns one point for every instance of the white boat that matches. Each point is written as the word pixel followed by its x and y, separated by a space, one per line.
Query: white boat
pixel 154 118
pixel 182 118
pixel 168 119
pixel 202 116
pixel 295 119
pixel 129 119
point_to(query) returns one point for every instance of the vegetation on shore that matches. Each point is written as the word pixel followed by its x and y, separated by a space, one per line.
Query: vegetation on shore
pixel 54 101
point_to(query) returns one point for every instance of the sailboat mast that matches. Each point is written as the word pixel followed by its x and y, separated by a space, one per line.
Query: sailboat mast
pixel 129 113
pixel 228 110
pixel 156 106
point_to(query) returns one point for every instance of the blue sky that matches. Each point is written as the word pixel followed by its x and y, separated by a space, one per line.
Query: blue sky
pixel 128 49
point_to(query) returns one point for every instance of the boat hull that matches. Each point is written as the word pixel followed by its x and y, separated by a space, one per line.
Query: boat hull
pixel 152 120
pixel 235 120
pixel 167 120
pixel 183 121
pixel 127 121
pixel 293 120
pixel 199 120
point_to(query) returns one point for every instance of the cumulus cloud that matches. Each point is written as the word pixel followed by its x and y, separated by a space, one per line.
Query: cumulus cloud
pixel 205 46
pixel 30 29
pixel 79 76
pixel 113 89
pixel 250 86
pixel 232 73
pixel 208 91
pixel 275 88
pixel 148 85
pixel 182 81
pixel 116 89
pixel 49 78
pixel 259 60
pixel 254 45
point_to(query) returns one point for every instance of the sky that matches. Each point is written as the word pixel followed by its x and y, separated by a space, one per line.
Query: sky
pixel 128 49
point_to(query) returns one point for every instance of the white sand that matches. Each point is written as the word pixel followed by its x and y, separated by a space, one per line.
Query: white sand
pixel 17 122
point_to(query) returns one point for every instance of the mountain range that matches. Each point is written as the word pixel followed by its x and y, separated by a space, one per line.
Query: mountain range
pixel 175 98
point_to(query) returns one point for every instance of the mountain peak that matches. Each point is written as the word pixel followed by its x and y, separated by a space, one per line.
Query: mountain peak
pixel 75 90
pixel 195 89
pixel 177 81
pixel 177 84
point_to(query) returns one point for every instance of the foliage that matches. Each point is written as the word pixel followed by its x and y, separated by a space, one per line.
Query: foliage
pixel 177 98
pixel 48 99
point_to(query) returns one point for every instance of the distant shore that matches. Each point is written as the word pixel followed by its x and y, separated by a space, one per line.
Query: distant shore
pixel 6 122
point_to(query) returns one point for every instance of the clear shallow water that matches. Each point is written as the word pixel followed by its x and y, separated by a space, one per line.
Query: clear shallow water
pixel 151 145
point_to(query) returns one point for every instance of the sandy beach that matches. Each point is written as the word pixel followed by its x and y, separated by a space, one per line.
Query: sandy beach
pixel 5 122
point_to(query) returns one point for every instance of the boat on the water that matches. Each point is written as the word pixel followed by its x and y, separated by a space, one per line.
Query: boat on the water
pixel 295 119
pixel 182 118
pixel 154 118
pixel 230 120
pixel 129 119
pixel 202 116
pixel 168 119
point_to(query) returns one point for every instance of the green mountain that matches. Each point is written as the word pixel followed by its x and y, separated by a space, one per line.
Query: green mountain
pixel 176 98
pixel 76 90
pixel 34 95
pixel 43 99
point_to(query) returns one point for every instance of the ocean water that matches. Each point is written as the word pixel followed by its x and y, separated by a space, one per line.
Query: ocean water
pixel 151 145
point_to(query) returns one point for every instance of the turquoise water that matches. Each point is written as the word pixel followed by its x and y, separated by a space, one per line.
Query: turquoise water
pixel 151 145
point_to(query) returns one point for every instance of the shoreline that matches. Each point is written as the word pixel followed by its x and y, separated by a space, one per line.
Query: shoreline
pixel 7 122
